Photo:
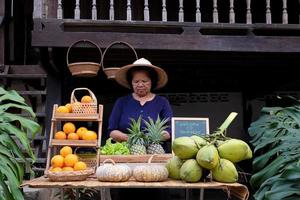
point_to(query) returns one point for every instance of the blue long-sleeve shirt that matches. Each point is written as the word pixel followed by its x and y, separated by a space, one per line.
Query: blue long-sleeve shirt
pixel 127 107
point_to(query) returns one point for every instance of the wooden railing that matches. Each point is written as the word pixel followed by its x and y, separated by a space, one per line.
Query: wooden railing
pixel 198 11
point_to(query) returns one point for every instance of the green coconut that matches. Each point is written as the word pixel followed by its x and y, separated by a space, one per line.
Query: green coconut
pixel 184 148
pixel 190 171
pixel 200 142
pixel 235 150
pixel 173 166
pixel 208 157
pixel 225 172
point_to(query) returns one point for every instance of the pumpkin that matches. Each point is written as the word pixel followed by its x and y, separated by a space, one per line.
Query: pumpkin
pixel 112 172
pixel 150 172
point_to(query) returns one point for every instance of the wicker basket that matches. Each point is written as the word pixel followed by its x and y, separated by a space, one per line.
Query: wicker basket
pixel 83 108
pixel 70 175
pixel 90 159
pixel 111 71
pixel 83 69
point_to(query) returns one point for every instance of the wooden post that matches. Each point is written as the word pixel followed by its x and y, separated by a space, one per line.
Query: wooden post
pixel 215 12
pixel 164 11
pixel 198 12
pixel 128 10
pixel 2 12
pixel 94 10
pixel 77 10
pixel 146 11
pixel 284 12
pixel 249 14
pixel 38 9
pixel 59 10
pixel 111 10
pixel 231 13
pixel 181 12
pixel 268 12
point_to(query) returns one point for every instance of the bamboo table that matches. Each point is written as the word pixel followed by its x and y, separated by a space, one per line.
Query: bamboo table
pixel 236 189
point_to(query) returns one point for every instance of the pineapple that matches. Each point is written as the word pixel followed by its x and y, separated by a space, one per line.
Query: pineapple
pixel 154 133
pixel 136 139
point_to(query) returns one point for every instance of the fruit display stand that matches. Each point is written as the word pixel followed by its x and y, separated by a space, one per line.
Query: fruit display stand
pixel 57 118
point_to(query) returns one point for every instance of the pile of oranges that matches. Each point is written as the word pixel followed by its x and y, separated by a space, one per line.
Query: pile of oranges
pixel 68 107
pixel 66 161
pixel 69 132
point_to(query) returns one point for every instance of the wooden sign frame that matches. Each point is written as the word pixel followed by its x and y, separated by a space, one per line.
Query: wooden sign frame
pixel 174 119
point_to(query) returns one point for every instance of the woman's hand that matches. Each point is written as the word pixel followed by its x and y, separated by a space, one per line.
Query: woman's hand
pixel 118 136
pixel 166 135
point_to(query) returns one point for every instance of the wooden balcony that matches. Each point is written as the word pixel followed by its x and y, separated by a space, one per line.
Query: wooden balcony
pixel 208 25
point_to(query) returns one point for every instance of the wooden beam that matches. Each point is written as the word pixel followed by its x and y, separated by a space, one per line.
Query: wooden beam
pixel 171 36
pixel 2 13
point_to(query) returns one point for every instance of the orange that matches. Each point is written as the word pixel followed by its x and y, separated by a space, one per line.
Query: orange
pixel 73 136
pixel 69 127
pixel 81 131
pixel 67 169
pixel 79 166
pixel 56 169
pixel 86 99
pixel 57 161
pixel 89 135
pixel 66 150
pixel 69 106
pixel 60 135
pixel 62 109
pixel 70 160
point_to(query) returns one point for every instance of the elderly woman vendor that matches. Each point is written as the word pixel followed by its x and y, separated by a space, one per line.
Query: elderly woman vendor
pixel 142 77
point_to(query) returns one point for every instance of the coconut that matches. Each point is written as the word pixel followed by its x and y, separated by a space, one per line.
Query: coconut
pixel 208 156
pixel 173 166
pixel 184 148
pixel 235 150
pixel 225 172
pixel 200 142
pixel 190 171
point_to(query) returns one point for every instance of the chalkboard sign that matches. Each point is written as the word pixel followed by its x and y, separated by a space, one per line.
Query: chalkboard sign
pixel 188 126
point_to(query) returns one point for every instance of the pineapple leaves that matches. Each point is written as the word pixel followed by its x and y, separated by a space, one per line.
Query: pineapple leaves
pixel 154 129
pixel 276 138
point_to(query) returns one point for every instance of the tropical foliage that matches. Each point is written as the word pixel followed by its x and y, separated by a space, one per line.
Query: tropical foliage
pixel 14 128
pixel 276 167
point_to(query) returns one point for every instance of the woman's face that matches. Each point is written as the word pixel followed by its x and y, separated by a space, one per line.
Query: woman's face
pixel 141 83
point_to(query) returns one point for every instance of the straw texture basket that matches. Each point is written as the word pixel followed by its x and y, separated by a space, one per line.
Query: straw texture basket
pixel 83 108
pixel 70 175
pixel 111 71
pixel 84 69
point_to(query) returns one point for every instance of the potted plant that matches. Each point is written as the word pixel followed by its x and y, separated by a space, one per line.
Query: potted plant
pixel 14 127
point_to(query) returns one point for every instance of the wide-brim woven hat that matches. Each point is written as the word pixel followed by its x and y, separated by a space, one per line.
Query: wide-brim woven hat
pixel 121 75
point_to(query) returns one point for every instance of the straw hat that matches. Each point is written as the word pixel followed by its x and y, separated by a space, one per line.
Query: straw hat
pixel 121 75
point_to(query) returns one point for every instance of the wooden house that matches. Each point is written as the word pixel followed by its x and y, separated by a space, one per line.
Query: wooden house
pixel 221 56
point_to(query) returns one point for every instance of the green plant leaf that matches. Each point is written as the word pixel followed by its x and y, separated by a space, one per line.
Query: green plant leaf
pixel 11 95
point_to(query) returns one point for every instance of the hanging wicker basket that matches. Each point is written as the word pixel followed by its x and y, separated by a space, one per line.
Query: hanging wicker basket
pixel 111 71
pixel 84 69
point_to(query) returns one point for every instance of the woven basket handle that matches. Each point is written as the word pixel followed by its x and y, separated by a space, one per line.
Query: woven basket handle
pixel 87 41
pixel 151 157
pixel 109 160
pixel 73 98
pixel 115 43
